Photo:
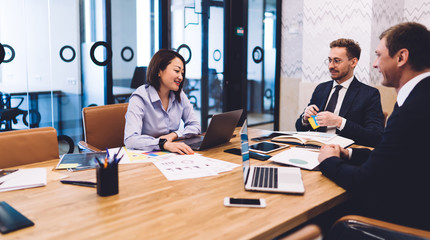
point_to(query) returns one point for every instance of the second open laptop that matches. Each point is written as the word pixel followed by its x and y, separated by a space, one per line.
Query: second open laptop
pixel 268 179
pixel 220 131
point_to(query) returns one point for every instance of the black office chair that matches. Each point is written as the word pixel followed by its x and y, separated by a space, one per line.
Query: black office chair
pixel 8 115
pixel 139 77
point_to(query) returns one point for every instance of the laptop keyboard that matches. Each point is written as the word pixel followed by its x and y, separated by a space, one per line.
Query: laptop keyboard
pixel 195 145
pixel 265 177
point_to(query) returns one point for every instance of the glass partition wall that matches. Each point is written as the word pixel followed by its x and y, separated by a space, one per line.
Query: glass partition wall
pixel 60 56
pixel 261 61
pixel 197 33
pixel 40 77
pixel 198 30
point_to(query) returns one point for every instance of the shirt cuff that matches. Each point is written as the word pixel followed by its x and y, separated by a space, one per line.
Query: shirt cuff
pixel 342 125
pixel 305 123
pixel 180 134
pixel 349 152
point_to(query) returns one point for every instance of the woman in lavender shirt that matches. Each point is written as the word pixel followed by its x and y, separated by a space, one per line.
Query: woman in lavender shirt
pixel 156 109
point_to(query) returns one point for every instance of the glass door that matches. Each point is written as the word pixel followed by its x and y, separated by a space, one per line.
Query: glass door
pixel 40 72
pixel 197 33
pixel 261 61
pixel 134 41
pixel 96 52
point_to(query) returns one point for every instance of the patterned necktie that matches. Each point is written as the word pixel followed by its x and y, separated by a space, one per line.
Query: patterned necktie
pixel 333 100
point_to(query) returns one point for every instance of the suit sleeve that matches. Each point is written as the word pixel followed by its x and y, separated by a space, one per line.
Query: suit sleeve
pixel 300 126
pixel 315 99
pixel 370 132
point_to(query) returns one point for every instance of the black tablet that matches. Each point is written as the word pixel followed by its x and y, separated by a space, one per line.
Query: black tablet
pixel 11 219
pixel 267 147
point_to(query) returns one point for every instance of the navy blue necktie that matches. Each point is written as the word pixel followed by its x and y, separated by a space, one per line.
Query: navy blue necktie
pixel 333 99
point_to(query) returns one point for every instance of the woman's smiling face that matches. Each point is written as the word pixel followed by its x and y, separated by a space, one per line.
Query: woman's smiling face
pixel 171 77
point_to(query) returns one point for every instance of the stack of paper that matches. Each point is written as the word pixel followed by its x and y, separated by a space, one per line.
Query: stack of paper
pixel 23 178
pixel 177 167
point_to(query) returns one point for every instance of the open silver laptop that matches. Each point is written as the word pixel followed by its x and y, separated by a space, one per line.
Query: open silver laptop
pixel 220 131
pixel 268 179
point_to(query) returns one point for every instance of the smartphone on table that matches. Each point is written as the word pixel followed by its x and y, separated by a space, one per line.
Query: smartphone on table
pixel 244 202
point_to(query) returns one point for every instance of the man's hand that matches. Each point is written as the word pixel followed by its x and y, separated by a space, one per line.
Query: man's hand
pixel 331 150
pixel 178 147
pixel 310 111
pixel 326 118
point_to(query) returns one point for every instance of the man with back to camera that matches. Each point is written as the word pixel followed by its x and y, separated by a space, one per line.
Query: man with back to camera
pixel 391 182
pixel 354 110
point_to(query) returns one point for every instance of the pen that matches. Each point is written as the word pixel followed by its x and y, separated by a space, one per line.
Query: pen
pixel 116 154
pixel 79 183
pixel 118 159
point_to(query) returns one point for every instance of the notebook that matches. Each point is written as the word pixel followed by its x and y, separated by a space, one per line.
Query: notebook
pixel 220 131
pixel 23 178
pixel 268 179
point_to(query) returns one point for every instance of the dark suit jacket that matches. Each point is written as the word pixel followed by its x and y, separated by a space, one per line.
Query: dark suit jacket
pixel 393 181
pixel 361 107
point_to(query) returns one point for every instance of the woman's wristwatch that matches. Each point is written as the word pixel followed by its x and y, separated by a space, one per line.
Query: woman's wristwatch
pixel 161 143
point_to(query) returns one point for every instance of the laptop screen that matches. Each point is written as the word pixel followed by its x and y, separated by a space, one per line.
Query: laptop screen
pixel 244 146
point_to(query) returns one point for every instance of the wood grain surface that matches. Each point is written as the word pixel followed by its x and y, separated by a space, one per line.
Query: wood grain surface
pixel 150 207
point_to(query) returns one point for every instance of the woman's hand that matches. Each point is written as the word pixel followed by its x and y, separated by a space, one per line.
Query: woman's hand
pixel 178 147
pixel 170 137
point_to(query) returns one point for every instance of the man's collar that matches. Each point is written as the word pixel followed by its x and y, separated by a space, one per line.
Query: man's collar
pixel 344 84
pixel 408 87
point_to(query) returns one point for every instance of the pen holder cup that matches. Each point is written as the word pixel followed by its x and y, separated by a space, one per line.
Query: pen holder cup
pixel 107 180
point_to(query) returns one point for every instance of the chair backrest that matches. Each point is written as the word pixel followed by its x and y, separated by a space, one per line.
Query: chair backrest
pixel 28 146
pixel 139 77
pixel 355 227
pixel 104 125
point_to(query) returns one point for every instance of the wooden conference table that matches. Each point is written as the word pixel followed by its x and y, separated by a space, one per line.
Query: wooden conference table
pixel 150 207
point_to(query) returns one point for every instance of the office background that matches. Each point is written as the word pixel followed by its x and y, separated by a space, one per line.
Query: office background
pixel 49 66
pixel 309 26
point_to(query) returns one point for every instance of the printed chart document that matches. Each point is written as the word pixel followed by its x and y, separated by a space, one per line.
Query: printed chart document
pixel 177 167
pixel 137 156
pixel 23 178
pixel 297 157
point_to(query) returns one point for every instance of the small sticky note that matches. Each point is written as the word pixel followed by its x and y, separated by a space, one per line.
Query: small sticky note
pixel 313 122
pixel 68 165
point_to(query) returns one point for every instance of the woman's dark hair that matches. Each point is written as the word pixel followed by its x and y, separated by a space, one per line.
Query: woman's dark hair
pixel 159 62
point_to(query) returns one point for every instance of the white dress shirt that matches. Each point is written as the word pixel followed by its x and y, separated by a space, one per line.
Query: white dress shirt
pixel 146 119
pixel 342 92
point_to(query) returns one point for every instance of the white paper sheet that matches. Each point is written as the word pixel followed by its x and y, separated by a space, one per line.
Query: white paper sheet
pixel 177 167
pixel 297 157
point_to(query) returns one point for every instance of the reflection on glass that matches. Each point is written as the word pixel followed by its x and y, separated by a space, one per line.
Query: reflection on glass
pixel 261 61
pixel 198 35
